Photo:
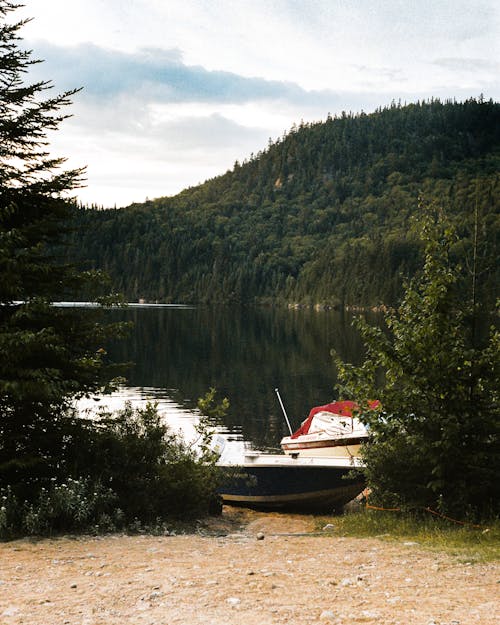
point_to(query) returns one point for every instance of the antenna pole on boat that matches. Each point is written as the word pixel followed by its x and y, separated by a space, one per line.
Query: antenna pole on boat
pixel 284 411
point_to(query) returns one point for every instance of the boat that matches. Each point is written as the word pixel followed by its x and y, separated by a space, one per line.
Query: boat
pixel 281 481
pixel 330 431
pixel 315 472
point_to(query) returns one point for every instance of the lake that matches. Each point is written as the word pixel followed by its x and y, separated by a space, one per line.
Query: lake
pixel 179 353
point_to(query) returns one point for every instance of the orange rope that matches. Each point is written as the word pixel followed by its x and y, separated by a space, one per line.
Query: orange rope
pixel 443 516
pixel 385 509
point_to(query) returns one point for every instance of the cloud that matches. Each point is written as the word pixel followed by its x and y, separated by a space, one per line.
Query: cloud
pixel 139 131
pixel 158 74
pixel 467 64
pixel 213 131
pixel 380 75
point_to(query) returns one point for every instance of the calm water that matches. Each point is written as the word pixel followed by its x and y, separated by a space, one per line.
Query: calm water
pixel 245 353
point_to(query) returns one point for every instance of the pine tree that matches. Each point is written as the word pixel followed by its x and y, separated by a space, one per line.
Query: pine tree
pixel 48 355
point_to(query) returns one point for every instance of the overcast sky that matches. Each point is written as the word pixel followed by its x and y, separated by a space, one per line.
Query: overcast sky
pixel 174 91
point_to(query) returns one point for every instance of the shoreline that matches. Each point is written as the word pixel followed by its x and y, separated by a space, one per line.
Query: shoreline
pixel 242 568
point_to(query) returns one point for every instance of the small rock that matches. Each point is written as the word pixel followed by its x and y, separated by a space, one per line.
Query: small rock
pixel 73 586
pixel 233 601
pixel 327 615
pixel 260 536
pixel 328 527
pixel 369 614
pixel 155 594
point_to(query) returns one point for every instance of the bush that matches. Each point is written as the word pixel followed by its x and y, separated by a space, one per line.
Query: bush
pixel 153 471
pixel 435 442
pixel 121 471
pixel 73 506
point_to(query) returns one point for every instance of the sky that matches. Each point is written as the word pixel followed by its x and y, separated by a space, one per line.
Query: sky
pixel 175 91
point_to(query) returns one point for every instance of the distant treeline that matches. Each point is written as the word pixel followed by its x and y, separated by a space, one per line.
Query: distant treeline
pixel 322 215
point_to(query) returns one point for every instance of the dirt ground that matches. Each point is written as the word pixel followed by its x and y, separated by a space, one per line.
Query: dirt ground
pixel 245 568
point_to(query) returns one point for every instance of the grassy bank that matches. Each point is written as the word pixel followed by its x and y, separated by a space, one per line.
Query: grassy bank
pixel 469 543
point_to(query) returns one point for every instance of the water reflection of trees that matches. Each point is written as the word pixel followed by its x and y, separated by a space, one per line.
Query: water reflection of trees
pixel 245 353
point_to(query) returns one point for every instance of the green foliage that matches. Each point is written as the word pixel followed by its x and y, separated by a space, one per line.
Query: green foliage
pixel 59 472
pixel 153 471
pixel 321 216
pixel 68 507
pixel 48 355
pixel 125 470
pixel 211 413
pixel 207 405
pixel 435 443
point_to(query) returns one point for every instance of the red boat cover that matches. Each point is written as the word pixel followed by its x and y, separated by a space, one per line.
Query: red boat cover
pixel 344 408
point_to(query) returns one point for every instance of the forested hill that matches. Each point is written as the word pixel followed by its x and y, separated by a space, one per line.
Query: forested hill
pixel 321 215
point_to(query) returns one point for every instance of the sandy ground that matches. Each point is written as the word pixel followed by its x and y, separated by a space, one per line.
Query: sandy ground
pixel 228 574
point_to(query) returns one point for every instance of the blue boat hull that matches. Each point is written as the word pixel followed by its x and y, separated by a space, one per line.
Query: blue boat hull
pixel 321 487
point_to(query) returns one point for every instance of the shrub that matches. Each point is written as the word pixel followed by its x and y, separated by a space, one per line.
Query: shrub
pixel 73 506
pixel 154 472
pixel 122 471
pixel 435 443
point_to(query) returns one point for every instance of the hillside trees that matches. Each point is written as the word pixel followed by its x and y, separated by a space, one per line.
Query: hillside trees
pixel 435 443
pixel 321 216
